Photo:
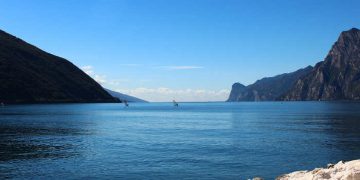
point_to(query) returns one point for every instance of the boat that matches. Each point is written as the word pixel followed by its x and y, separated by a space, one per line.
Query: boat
pixel 175 103
pixel 126 103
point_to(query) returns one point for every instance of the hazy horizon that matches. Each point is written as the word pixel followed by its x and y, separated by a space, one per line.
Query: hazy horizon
pixel 183 50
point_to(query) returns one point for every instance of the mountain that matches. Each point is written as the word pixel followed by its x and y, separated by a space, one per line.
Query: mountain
pixel 335 78
pixel 30 75
pixel 266 89
pixel 236 90
pixel 124 97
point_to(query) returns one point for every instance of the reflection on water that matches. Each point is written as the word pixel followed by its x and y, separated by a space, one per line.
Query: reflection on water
pixel 158 141
pixel 22 142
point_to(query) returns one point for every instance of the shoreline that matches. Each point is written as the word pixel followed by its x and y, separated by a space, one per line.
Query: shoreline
pixel 349 170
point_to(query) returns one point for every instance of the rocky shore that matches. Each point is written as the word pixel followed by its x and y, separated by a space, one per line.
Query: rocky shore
pixel 341 171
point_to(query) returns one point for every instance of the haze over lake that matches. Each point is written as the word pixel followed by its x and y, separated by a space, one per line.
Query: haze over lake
pixel 159 141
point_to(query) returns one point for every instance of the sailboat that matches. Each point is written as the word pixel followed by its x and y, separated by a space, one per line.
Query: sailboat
pixel 126 103
pixel 175 103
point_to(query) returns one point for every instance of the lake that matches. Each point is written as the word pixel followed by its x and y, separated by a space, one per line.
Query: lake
pixel 159 141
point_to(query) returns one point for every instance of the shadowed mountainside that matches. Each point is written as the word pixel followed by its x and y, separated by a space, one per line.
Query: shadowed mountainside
pixel 30 75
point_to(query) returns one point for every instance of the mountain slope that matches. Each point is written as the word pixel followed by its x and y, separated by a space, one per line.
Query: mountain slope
pixel 123 97
pixel 266 89
pixel 335 78
pixel 30 75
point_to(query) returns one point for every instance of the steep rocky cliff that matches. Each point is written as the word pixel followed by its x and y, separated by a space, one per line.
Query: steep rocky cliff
pixel 335 78
pixel 30 75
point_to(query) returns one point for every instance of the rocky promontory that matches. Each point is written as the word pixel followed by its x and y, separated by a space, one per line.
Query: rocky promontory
pixel 341 171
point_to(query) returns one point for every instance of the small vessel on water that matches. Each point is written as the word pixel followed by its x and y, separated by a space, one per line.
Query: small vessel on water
pixel 175 103
pixel 2 104
pixel 126 103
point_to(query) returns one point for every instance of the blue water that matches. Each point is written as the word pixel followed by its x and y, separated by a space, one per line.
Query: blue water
pixel 159 141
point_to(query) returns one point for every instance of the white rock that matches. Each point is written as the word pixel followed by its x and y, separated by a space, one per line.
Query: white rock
pixel 340 171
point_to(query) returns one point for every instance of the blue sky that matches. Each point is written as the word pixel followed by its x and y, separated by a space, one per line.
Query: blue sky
pixel 190 50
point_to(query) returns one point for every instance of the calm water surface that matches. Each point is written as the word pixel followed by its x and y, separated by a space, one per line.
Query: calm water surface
pixel 159 141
